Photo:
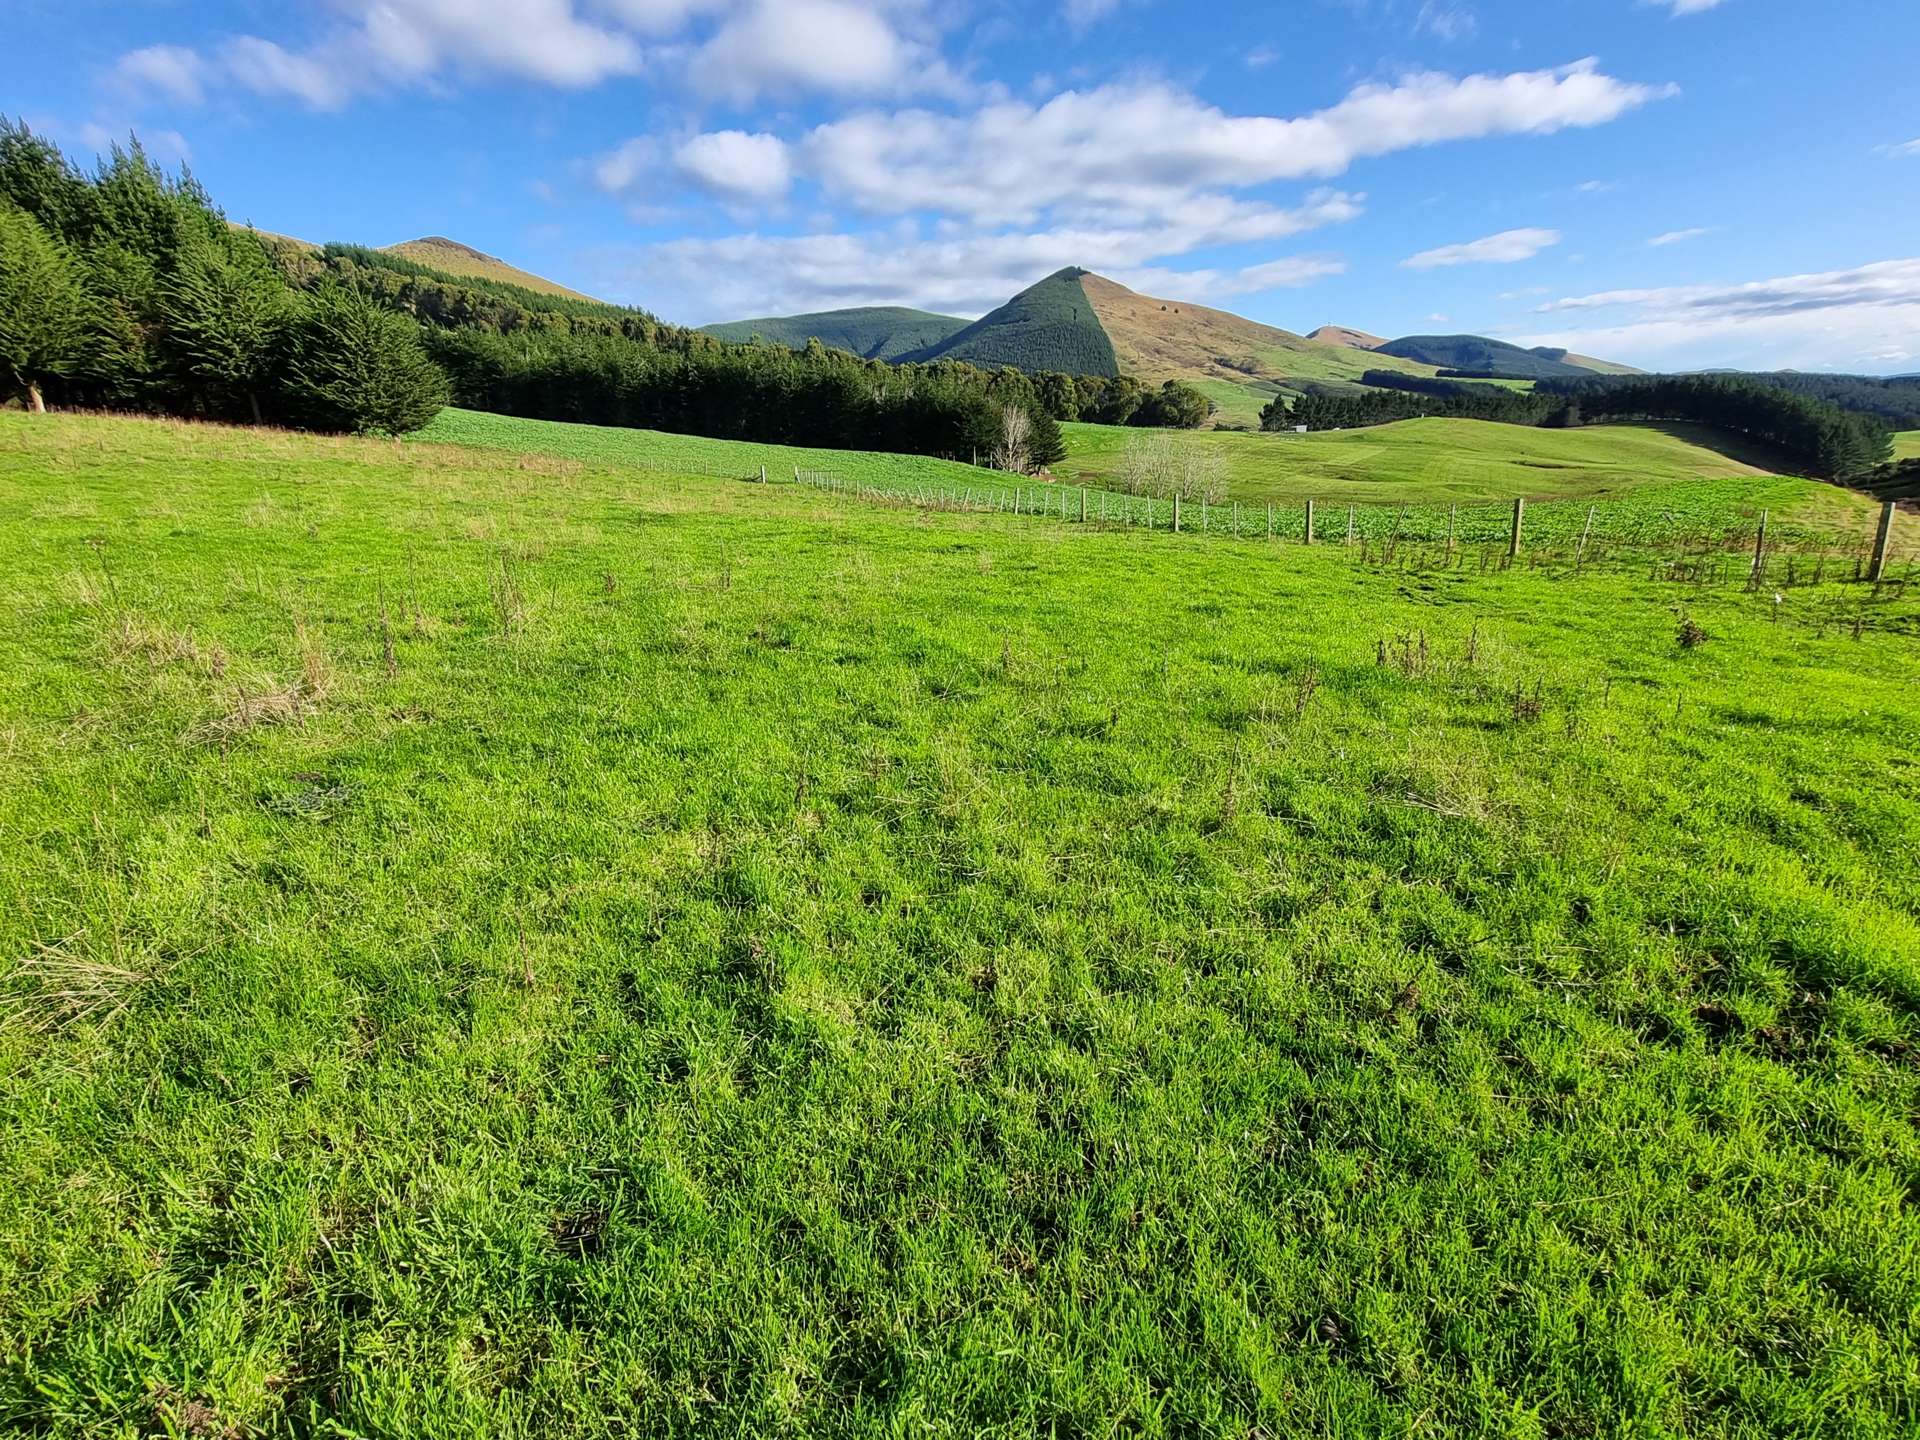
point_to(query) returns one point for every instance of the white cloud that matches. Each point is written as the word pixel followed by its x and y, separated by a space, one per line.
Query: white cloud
pixel 699 280
pixel 1860 316
pixel 621 169
pixel 735 164
pixel 1676 237
pixel 378 43
pixel 266 69
pixel 171 72
pixel 1903 151
pixel 1505 248
pixel 1145 149
pixel 1594 187
pixel 1688 7
pixel 1446 21
pixel 835 46
pixel 1203 285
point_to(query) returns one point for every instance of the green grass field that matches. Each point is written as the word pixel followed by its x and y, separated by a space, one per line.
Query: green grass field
pixel 1439 462
pixel 658 451
pixel 506 945
pixel 1658 510
pixel 1906 445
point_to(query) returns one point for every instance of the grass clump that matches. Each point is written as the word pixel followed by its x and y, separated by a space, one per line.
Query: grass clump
pixel 821 980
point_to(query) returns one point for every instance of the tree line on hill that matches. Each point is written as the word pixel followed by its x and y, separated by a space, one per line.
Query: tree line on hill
pixel 127 289
pixel 1820 437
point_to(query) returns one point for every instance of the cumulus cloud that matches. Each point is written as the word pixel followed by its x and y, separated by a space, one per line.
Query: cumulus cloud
pixel 728 49
pixel 1676 237
pixel 171 72
pixel 1146 148
pixel 1505 248
pixel 837 46
pixel 1218 284
pixel 1859 317
pixel 735 164
pixel 698 279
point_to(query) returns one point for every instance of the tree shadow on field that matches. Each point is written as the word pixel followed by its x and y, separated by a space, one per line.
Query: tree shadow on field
pixel 1742 449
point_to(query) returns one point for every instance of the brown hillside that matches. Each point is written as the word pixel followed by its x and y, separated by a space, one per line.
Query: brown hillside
pixel 1343 335
pixel 1238 362
pixel 440 253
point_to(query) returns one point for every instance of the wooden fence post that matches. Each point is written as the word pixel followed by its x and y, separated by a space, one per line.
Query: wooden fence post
pixel 1760 549
pixel 1452 511
pixel 1585 530
pixel 1176 512
pixel 1349 524
pixel 1882 543
pixel 1269 519
pixel 1519 516
pixel 1083 504
pixel 1236 519
pixel 1309 522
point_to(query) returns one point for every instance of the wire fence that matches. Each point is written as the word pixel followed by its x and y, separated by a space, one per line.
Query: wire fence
pixel 1710 540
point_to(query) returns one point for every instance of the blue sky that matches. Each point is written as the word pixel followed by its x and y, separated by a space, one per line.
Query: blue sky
pixel 1673 183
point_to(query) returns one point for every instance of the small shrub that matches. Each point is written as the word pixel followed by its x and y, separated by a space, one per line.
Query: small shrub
pixel 1689 634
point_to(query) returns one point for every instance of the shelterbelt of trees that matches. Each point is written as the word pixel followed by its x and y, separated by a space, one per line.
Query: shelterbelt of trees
pixel 1821 438
pixel 127 289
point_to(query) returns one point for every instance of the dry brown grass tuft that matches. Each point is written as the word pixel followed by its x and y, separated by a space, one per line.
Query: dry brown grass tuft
pixel 58 984
pixel 270 703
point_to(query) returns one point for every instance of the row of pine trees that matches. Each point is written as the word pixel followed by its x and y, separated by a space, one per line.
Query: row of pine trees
pixel 126 289
pixel 1817 436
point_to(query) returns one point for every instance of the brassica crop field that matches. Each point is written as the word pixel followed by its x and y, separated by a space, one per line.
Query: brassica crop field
pixel 503 944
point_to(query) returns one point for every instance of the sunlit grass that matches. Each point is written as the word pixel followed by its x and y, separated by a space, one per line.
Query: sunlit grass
pixel 697 957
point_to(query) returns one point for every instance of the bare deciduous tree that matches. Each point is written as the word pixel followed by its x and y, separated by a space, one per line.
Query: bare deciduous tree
pixel 1162 467
pixel 1015 432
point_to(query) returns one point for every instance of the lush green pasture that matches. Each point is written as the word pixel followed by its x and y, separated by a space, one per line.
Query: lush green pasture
pixel 688 454
pixel 509 945
pixel 1433 461
pixel 1906 445
pixel 1659 512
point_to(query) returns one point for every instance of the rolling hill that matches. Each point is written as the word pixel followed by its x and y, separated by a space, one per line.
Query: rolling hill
pixel 452 258
pixel 1239 363
pixel 1082 323
pixel 874 332
pixel 1343 335
pixel 1478 353
pixel 1048 326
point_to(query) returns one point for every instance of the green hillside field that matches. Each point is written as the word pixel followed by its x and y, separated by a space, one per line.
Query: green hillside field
pixel 1906 445
pixel 884 332
pixel 1693 493
pixel 1442 461
pixel 499 944
pixel 1047 326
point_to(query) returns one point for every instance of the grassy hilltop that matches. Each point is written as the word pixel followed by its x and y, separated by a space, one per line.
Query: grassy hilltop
pixel 504 944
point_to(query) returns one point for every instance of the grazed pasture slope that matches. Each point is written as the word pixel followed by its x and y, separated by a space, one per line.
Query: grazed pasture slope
pixel 504 945
pixel 1436 461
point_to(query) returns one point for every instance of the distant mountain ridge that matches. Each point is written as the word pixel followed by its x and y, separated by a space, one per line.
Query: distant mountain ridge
pixel 873 332
pixel 1081 323
pixel 1480 355
pixel 1345 335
